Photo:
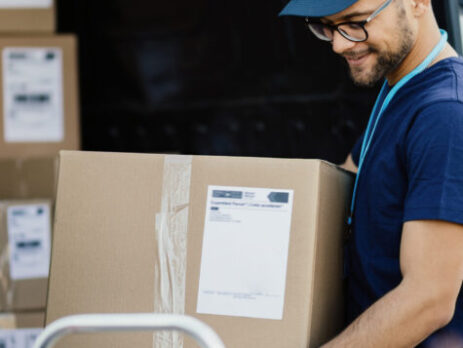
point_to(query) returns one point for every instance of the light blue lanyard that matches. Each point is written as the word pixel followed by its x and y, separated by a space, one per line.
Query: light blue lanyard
pixel 376 116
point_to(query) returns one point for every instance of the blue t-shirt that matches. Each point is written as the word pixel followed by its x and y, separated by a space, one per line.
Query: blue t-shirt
pixel 413 171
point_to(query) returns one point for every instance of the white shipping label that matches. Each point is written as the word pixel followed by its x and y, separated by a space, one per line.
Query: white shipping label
pixel 19 338
pixel 26 4
pixel 245 252
pixel 33 94
pixel 29 231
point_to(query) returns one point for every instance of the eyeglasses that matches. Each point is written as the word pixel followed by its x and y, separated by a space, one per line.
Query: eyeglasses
pixel 352 31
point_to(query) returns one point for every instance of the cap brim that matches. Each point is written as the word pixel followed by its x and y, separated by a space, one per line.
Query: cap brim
pixel 315 8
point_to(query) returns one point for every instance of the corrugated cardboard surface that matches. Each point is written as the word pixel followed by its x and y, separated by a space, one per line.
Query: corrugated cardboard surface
pixel 26 178
pixel 28 20
pixel 71 140
pixel 104 249
pixel 22 320
pixel 332 187
pixel 18 295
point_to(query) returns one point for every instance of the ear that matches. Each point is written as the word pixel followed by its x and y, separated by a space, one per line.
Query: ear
pixel 420 7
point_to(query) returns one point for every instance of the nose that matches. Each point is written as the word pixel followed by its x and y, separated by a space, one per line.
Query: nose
pixel 340 44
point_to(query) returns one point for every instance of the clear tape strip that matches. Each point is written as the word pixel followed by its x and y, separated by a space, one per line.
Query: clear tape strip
pixel 23 189
pixel 171 238
pixel 7 285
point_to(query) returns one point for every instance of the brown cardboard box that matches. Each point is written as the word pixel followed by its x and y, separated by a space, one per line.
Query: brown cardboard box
pixel 132 229
pixel 26 178
pixel 22 320
pixel 39 96
pixel 20 330
pixel 19 19
pixel 25 241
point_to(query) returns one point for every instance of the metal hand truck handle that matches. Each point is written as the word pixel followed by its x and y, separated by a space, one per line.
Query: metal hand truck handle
pixel 89 323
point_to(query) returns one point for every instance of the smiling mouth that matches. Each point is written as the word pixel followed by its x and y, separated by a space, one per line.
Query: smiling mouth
pixel 357 60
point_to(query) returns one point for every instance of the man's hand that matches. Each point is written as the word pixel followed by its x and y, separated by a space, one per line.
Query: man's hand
pixel 349 164
pixel 431 259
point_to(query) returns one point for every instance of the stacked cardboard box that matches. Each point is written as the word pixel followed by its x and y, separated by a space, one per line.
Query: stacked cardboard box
pixel 251 246
pixel 39 116
pixel 22 320
pixel 39 98
pixel 27 16
pixel 20 330
pixel 25 242
pixel 27 190
pixel 39 94
pixel 28 178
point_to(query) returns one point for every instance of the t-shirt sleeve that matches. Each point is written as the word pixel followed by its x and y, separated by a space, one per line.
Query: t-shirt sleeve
pixel 434 164
pixel 355 152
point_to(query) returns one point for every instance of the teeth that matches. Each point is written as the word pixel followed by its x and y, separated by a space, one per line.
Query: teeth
pixel 356 58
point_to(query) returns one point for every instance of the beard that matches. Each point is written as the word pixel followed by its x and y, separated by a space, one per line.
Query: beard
pixel 386 60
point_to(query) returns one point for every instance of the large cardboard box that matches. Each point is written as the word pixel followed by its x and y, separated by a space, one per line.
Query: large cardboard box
pixel 38 96
pixel 27 16
pixel 250 246
pixel 25 243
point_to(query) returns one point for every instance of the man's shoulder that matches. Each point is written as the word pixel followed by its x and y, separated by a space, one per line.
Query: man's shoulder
pixel 436 95
pixel 443 82
pixel 435 105
pixel 437 125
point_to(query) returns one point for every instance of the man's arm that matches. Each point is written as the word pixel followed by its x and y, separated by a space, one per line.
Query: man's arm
pixel 431 259
pixel 349 164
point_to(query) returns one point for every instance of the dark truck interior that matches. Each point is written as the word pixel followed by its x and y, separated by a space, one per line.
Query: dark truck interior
pixel 216 77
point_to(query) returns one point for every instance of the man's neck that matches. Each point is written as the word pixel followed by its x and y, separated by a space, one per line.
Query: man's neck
pixel 425 43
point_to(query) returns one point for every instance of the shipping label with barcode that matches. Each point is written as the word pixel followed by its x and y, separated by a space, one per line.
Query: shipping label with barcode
pixel 29 241
pixel 33 94
pixel 245 252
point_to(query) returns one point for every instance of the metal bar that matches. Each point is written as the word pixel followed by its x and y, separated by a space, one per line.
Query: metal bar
pixel 92 323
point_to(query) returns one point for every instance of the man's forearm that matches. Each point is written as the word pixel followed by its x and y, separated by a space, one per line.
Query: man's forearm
pixel 402 318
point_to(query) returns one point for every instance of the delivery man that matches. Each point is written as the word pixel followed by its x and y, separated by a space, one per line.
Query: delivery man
pixel 404 260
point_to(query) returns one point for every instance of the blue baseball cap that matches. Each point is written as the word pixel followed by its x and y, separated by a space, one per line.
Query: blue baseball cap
pixel 315 8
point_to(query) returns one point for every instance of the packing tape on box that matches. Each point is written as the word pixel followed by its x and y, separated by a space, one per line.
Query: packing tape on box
pixel 6 291
pixel 22 183
pixel 171 238
pixel 6 284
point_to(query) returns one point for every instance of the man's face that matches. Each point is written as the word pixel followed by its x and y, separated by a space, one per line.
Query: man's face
pixel 390 40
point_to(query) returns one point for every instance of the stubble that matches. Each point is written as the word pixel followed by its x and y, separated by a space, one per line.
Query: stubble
pixel 387 61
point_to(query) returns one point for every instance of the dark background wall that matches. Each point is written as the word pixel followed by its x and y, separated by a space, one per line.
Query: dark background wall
pixel 211 77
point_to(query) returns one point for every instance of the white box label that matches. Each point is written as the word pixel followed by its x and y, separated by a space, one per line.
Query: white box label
pixel 33 94
pixel 29 230
pixel 25 4
pixel 19 338
pixel 245 252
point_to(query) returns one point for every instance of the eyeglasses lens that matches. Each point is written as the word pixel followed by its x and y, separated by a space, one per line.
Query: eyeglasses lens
pixel 321 31
pixel 353 31
pixel 350 31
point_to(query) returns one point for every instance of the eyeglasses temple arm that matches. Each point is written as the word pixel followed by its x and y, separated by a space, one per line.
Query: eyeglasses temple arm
pixel 374 14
